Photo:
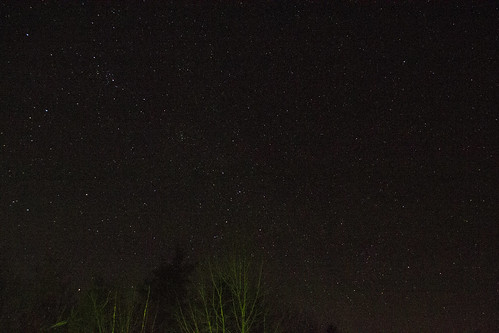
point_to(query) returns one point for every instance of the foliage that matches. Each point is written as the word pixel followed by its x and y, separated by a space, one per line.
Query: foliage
pixel 230 298
pixel 227 295
pixel 103 309
pixel 149 308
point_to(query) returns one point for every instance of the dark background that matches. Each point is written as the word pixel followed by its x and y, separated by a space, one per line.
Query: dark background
pixel 353 146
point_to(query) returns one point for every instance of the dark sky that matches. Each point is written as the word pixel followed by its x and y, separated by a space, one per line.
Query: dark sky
pixel 354 147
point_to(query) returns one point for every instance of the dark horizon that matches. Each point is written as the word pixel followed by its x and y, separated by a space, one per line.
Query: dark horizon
pixel 348 145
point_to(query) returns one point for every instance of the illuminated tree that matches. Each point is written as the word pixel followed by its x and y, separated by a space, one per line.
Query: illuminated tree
pixel 229 299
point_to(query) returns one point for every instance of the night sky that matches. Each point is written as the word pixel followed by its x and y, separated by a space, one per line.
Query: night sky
pixel 353 147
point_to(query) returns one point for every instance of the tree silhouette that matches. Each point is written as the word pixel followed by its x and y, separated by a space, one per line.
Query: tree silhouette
pixel 168 289
pixel 332 329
